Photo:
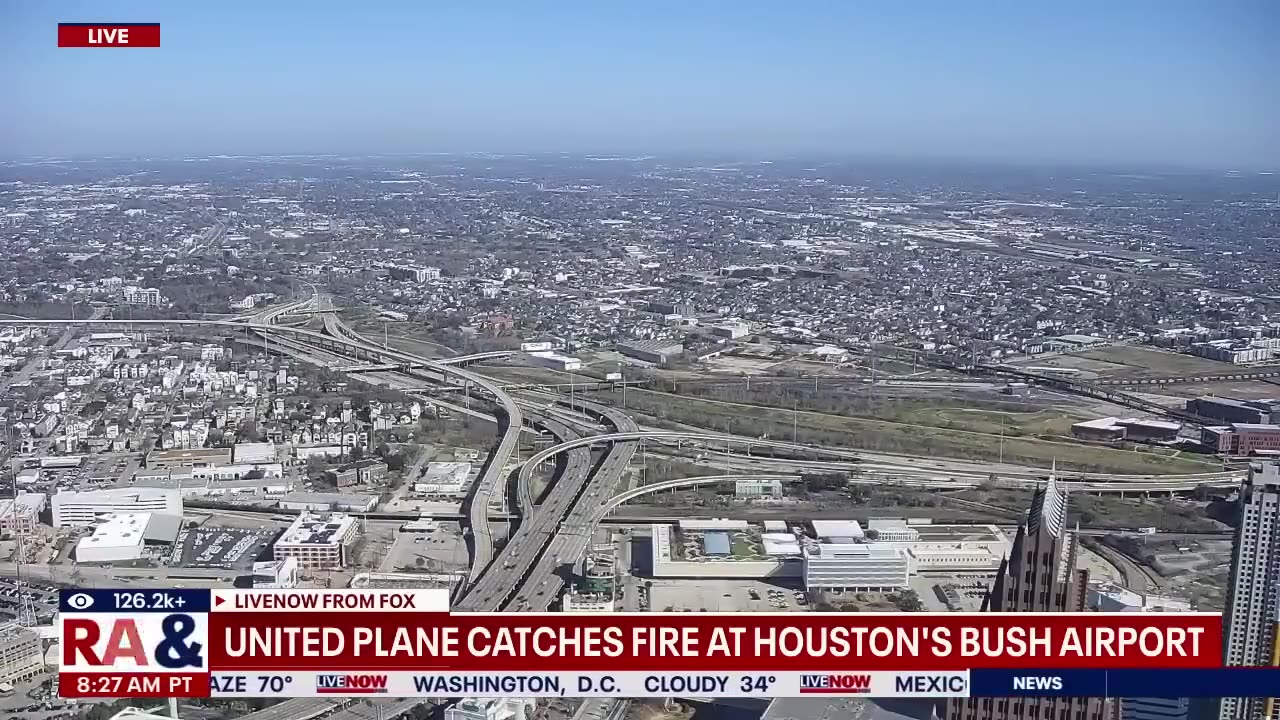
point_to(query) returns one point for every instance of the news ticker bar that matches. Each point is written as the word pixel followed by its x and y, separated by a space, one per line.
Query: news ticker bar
pixel 1198 683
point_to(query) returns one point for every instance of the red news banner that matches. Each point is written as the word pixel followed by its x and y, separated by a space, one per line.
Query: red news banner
pixel 83 35
pixel 672 642
pixel 206 631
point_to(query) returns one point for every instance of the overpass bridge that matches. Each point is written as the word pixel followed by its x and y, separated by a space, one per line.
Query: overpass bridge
pixel 480 496
pixel 1101 487
pixel 471 359
pixel 570 537
pixel 651 488
pixel 573 471
pixel 684 435
pixel 533 559
pixel 1191 379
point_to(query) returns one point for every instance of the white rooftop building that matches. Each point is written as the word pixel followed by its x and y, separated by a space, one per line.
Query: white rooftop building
pixel 555 361
pixel 317 543
pixel 855 567
pixel 21 514
pixel 72 509
pixel 444 478
pixel 325 502
pixel 21 654
pixel 276 574
pixel 892 530
pixel 124 537
pixel 120 539
pixel 758 488
pixel 671 557
pixel 837 531
pixel 953 556
pixel 254 453
pixel 781 544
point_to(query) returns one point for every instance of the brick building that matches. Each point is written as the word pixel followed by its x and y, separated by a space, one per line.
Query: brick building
pixel 1242 438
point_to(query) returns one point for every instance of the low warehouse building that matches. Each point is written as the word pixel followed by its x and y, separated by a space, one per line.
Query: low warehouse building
pixel 654 351
pixel 324 502
pixel 444 478
pixel 126 537
pixel 682 553
pixel 555 361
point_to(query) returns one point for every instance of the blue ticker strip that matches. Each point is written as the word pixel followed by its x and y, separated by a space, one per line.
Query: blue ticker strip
pixel 134 601
pixel 1191 683
pixel 1038 683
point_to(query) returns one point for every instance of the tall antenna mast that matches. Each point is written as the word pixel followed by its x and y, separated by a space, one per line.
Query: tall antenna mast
pixel 26 608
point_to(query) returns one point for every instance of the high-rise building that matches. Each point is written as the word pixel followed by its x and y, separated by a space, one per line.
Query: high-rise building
pixel 1039 575
pixel 1250 619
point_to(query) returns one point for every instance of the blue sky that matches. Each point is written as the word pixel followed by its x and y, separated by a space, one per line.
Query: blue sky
pixel 1169 82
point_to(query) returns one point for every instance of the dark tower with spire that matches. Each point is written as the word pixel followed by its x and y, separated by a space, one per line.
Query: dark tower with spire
pixel 1039 575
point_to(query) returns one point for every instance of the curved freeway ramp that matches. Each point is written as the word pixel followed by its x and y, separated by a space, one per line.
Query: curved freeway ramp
pixel 526 500
pixel 516 560
pixel 564 544
pixel 477 503
pixel 530 557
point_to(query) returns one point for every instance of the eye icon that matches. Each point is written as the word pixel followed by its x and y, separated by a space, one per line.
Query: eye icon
pixel 80 601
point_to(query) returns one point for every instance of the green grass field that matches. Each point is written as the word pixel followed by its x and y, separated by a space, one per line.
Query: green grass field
pixel 1134 361
pixel 916 434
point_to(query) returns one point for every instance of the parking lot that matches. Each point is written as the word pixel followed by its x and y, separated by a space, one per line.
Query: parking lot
pixel 43 595
pixel 724 596
pixel 230 548
pixel 960 592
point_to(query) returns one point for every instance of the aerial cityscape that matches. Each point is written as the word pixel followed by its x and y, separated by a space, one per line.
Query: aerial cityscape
pixel 631 382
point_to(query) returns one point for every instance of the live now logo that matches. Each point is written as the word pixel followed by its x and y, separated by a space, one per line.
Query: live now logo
pixel 108 34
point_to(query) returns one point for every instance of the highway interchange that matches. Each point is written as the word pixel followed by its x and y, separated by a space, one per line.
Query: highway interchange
pixel 555 531
pixel 482 493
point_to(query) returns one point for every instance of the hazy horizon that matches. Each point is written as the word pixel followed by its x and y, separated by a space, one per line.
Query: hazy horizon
pixel 1153 84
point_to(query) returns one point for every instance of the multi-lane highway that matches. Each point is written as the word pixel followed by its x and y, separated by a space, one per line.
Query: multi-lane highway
pixel 491 582
pixel 557 523
pixel 568 539
pixel 477 504
pixel 577 459
pixel 453 360
pixel 523 559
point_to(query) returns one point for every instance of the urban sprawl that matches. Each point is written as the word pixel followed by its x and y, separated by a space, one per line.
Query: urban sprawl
pixel 608 384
